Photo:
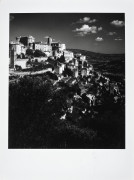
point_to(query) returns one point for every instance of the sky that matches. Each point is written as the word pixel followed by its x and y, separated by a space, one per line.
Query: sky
pixel 96 32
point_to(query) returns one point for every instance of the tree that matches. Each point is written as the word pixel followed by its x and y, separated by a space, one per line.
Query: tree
pixel 29 52
pixel 61 59
pixel 68 72
pixel 39 53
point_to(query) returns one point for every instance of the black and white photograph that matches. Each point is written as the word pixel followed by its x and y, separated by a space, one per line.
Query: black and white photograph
pixel 66 81
pixel 66 94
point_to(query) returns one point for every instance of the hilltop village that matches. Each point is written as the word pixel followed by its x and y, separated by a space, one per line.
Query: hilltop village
pixel 28 57
pixel 58 100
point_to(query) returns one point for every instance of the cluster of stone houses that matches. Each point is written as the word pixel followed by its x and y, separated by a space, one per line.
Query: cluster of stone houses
pixel 57 61
pixel 28 42
pixel 53 50
pixel 50 48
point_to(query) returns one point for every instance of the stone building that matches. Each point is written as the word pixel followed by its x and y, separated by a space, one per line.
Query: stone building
pixel 25 40
pixel 75 72
pixel 18 48
pixel 58 68
pixel 75 62
pixel 68 55
pixel 92 99
pixel 84 72
pixel 41 46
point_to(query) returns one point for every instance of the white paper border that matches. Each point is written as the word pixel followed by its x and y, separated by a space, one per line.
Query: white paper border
pixel 66 164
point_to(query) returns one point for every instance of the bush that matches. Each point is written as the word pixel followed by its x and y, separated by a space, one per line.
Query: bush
pixel 29 52
pixel 70 136
pixel 39 53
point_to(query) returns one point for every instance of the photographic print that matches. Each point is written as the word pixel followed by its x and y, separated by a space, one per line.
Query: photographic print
pixel 66 81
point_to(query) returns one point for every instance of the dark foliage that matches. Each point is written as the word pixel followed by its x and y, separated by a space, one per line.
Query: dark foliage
pixel 39 53
pixel 29 52
pixel 36 108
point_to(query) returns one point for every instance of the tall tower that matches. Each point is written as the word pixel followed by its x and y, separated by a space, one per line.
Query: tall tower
pixel 12 58
pixel 31 39
pixel 49 41
pixel 18 39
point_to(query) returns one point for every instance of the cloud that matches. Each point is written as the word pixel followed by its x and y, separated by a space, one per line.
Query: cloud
pixel 118 23
pixel 81 34
pixel 85 29
pixel 112 33
pixel 86 20
pixel 11 17
pixel 100 28
pixel 99 39
pixel 118 39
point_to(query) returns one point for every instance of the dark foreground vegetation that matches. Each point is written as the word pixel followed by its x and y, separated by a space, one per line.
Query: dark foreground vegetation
pixel 35 110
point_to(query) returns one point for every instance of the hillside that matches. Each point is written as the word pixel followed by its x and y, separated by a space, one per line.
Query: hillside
pixel 112 65
pixel 90 54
